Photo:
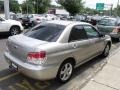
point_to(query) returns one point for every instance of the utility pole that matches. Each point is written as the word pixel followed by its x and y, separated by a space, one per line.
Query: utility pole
pixel 118 3
pixel 6 9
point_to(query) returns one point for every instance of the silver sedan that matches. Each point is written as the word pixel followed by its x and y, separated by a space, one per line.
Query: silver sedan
pixel 54 48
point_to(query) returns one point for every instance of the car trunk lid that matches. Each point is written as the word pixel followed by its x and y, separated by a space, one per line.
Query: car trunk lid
pixel 19 46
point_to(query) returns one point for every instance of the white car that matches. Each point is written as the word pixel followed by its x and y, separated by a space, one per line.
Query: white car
pixel 51 17
pixel 11 26
pixel 36 18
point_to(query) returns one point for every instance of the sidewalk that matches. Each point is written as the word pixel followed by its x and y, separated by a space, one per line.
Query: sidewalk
pixel 108 78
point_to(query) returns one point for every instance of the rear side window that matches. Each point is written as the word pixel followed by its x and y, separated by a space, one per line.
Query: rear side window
pixel 46 32
pixel 77 33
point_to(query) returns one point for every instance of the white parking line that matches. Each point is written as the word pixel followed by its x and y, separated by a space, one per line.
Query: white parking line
pixel 8 76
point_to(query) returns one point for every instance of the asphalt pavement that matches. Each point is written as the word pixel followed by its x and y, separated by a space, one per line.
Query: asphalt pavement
pixel 12 80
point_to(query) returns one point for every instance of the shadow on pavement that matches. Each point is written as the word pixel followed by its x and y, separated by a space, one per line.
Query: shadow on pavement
pixel 4 35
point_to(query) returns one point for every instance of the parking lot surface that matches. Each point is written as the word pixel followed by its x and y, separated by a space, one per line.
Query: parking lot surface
pixel 12 80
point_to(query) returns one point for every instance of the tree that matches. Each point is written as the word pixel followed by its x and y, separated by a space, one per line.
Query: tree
pixel 14 6
pixel 27 7
pixel 72 6
pixel 117 11
pixel 90 11
pixel 41 6
pixel 37 6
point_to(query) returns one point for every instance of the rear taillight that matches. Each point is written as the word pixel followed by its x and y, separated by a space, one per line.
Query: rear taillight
pixel 116 30
pixel 36 57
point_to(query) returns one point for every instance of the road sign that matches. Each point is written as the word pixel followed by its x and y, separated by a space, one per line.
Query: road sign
pixel 100 6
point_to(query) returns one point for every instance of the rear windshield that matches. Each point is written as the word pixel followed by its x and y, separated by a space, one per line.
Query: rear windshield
pixel 46 32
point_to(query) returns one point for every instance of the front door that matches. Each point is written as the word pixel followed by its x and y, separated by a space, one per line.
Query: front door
pixel 79 44
pixel 96 42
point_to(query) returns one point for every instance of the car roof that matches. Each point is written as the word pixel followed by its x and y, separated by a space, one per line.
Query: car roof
pixel 66 23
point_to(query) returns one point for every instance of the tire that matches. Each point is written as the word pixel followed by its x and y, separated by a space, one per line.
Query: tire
pixel 15 30
pixel 106 51
pixel 65 72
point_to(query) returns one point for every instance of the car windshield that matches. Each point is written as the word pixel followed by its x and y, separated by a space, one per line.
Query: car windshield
pixel 107 22
pixel 46 32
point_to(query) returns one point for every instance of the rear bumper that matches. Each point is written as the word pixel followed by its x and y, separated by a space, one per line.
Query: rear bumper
pixel 33 71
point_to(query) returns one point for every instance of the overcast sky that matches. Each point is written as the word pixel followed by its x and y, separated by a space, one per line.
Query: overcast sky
pixel 92 3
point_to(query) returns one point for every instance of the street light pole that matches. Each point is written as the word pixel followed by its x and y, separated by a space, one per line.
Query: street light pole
pixel 6 9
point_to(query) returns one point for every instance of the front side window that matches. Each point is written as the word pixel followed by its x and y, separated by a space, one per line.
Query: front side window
pixel 46 32
pixel 77 33
pixel 91 32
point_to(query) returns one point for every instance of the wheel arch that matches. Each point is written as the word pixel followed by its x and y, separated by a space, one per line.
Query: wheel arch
pixel 70 59
pixel 14 26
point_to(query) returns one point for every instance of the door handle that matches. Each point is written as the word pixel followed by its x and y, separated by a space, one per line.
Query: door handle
pixel 74 45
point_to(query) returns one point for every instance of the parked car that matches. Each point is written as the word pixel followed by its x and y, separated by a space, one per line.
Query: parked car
pixel 25 20
pixel 38 19
pixel 11 26
pixel 30 20
pixel 110 26
pixel 51 17
pixel 60 16
pixel 63 16
pixel 54 48
pixel 80 18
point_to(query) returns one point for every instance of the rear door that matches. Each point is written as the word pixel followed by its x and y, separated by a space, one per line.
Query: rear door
pixel 79 44
pixel 96 42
